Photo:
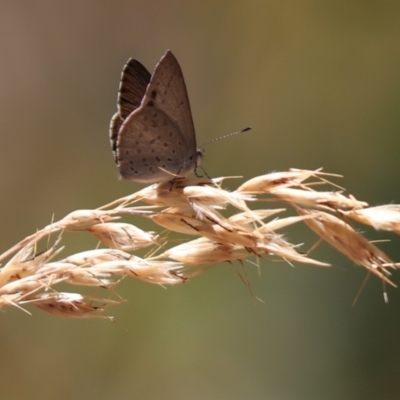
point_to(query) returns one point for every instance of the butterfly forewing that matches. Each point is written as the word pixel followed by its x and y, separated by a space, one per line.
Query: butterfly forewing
pixel 167 92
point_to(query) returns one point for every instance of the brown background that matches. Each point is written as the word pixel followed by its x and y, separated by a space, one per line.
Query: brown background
pixel 318 81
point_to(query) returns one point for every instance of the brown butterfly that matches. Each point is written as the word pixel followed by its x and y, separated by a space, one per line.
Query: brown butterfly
pixel 152 134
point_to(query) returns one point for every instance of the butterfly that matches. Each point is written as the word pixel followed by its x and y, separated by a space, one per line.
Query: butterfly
pixel 152 134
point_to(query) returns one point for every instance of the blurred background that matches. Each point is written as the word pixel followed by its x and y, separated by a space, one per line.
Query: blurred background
pixel 317 81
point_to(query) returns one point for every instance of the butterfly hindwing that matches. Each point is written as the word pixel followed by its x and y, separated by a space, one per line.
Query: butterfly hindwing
pixel 151 144
pixel 134 81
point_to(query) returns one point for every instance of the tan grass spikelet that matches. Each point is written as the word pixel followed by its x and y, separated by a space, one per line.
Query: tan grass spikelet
pixel 314 199
pixel 159 272
pixel 181 220
pixel 84 219
pixel 203 251
pixel 345 239
pixel 265 183
pixel 229 224
pixel 123 236
pixel 247 218
pixel 83 276
pixel 385 218
pixel 71 305
pixel 268 182
pixel 26 262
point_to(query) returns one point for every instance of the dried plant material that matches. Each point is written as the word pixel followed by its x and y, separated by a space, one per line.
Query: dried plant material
pixel 345 239
pixel 26 286
pixel 231 235
pixel 325 200
pixel 247 218
pixel 70 305
pixel 151 271
pixel 228 230
pixel 269 182
pixel 216 197
pixel 93 257
pixel 385 218
pixel 122 236
pixel 84 219
pixel 26 263
pixel 203 251
pixel 181 220
pixel 277 224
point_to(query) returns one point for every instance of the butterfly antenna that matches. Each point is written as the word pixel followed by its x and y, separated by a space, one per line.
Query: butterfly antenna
pixel 225 136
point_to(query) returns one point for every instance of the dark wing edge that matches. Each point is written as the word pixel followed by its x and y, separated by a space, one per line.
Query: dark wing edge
pixel 134 81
